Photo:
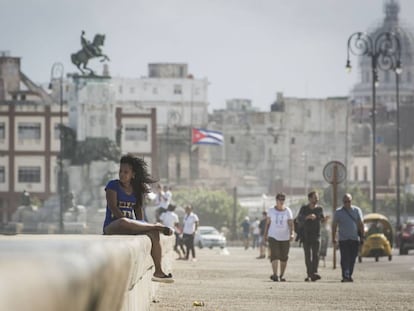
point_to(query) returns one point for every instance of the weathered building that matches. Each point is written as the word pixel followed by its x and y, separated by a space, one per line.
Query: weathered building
pixel 284 149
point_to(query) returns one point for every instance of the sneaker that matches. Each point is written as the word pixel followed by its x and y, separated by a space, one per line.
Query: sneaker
pixel 274 278
pixel 346 280
pixel 282 279
pixel 308 279
pixel 315 277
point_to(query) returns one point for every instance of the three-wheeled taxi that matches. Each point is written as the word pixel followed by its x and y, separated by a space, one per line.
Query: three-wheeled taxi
pixel 378 237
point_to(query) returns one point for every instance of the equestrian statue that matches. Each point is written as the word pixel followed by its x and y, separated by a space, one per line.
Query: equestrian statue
pixel 89 50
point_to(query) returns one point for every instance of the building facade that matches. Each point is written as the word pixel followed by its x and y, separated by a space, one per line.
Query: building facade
pixel 181 103
pixel 30 141
pixel 286 148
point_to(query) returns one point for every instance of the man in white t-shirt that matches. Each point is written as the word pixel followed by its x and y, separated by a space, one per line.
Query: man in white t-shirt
pixel 190 225
pixel 279 233
pixel 170 219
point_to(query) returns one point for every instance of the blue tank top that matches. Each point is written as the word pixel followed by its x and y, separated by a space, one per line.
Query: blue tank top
pixel 125 202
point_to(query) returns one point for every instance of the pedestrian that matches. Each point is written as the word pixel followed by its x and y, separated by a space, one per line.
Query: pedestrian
pixel 124 213
pixel 279 234
pixel 323 251
pixel 190 225
pixel 262 241
pixel 255 233
pixel 309 219
pixel 161 200
pixel 170 219
pixel 348 220
pixel 246 231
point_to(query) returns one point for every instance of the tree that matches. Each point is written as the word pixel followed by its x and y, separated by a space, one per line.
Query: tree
pixel 214 208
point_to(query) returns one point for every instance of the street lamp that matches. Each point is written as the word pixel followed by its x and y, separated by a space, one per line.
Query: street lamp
pixel 57 74
pixel 384 51
pixel 398 71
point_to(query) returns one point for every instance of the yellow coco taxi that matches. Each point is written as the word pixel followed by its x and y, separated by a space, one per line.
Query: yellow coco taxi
pixel 378 237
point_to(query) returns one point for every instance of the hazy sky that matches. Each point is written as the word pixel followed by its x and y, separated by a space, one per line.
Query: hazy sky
pixel 245 48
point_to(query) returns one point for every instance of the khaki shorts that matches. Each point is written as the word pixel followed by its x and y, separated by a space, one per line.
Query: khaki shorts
pixel 279 250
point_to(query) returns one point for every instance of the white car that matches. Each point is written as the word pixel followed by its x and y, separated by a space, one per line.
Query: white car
pixel 207 236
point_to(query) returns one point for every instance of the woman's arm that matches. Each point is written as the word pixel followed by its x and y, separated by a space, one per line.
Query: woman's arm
pixel 112 201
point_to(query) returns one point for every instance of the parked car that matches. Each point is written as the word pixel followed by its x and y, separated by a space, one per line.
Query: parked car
pixel 207 236
pixel 406 238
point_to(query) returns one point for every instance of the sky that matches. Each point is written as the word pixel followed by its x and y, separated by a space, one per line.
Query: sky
pixel 248 49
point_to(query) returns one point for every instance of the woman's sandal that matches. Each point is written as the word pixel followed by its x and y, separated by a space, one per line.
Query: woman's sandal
pixel 166 278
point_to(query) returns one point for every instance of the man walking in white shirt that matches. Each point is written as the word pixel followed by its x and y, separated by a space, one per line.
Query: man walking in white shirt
pixel 170 219
pixel 189 228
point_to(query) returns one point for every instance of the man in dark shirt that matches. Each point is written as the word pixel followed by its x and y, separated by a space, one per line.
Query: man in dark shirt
pixel 262 242
pixel 310 217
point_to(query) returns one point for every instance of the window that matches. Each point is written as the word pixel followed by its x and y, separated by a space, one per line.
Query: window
pixel 136 132
pixel 120 89
pixel 2 174
pixel 406 173
pixel 29 174
pixel 365 172
pixel 29 131
pixel 2 130
pixel 177 89
pixel 356 173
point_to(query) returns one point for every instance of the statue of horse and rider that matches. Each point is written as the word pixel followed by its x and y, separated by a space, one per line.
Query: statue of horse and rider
pixel 89 50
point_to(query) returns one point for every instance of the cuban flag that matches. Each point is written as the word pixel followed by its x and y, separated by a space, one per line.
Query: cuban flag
pixel 208 137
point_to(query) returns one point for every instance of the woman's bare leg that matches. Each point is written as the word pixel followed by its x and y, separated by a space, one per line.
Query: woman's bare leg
pixel 131 226
pixel 156 253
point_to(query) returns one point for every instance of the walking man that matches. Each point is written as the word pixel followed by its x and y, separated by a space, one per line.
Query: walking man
pixel 309 218
pixel 348 220
pixel 189 228
pixel 262 241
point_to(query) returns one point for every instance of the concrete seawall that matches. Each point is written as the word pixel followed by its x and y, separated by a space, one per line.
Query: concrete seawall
pixel 78 272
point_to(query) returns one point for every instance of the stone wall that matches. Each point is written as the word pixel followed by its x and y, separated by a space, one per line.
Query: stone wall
pixel 78 272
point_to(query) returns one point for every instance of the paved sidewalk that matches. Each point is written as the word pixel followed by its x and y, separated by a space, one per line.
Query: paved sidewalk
pixel 234 279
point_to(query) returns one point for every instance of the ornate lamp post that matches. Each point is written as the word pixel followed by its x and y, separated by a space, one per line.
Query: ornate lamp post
pixel 384 51
pixel 57 74
pixel 398 71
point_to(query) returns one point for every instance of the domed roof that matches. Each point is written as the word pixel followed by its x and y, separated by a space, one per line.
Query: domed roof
pixel 390 23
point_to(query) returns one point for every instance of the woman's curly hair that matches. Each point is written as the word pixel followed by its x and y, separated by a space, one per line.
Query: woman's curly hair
pixel 142 177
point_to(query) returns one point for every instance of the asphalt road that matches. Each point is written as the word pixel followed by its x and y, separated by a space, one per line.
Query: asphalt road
pixel 234 279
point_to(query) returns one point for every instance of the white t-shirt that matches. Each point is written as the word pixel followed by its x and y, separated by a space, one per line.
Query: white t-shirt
pixel 189 223
pixel 279 227
pixel 161 200
pixel 169 219
pixel 168 197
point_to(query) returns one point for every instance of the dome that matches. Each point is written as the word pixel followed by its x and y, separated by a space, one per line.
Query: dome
pixel 386 89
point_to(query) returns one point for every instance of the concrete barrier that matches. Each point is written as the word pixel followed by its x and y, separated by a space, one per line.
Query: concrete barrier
pixel 78 272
